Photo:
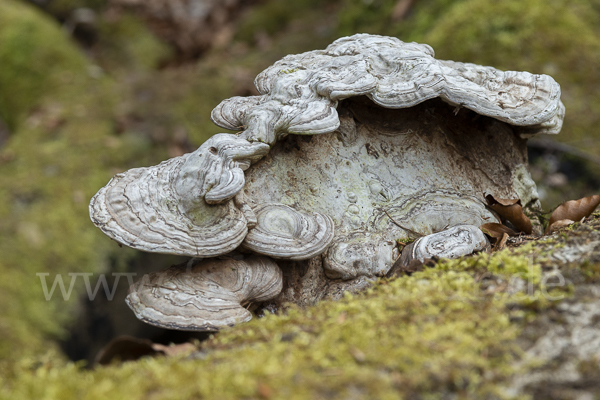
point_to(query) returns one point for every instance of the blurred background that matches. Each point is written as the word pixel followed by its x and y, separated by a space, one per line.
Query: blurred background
pixel 90 88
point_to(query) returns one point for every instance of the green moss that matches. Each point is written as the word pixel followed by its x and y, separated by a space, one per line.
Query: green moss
pixel 375 16
pixel 62 9
pixel 502 263
pixel 141 50
pixel 403 242
pixel 274 16
pixel 591 272
pixel 36 59
pixel 432 332
pixel 59 154
pixel 288 71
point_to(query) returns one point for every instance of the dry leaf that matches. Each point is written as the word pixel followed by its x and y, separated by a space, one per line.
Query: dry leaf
pixel 129 348
pixel 175 349
pixel 125 348
pixel 563 223
pixel 264 391
pixel 502 242
pixel 504 202
pixel 415 265
pixel 496 231
pixel 510 210
pixel 574 210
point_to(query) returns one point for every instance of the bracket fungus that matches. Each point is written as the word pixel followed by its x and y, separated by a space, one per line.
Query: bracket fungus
pixel 181 205
pixel 344 151
pixel 450 243
pixel 206 295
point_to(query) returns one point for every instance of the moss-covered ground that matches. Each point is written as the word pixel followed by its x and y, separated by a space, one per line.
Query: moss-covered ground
pixel 448 331
pixel 431 334
pixel 49 167
pixel 78 116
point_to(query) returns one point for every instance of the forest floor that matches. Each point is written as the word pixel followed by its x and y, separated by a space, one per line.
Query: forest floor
pixel 523 322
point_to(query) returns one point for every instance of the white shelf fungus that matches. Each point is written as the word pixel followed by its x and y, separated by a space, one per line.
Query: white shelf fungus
pixel 344 151
pixel 206 296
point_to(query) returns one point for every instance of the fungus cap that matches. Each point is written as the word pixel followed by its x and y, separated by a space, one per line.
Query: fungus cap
pixel 182 206
pixel 300 93
pixel 205 296
pixel 282 232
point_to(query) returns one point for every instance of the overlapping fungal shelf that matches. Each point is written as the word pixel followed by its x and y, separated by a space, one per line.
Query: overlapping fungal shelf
pixel 206 295
pixel 344 151
pixel 300 93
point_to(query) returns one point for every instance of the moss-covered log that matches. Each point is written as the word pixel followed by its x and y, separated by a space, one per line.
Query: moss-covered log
pixel 462 328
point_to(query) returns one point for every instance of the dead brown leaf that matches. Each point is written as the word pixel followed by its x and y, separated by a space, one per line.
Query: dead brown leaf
pixel 505 202
pixel 574 210
pixel 510 210
pixel 502 242
pixel 496 231
pixel 264 391
pixel 402 267
pixel 125 348
pixel 129 348
pixel 175 349
pixel 563 223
